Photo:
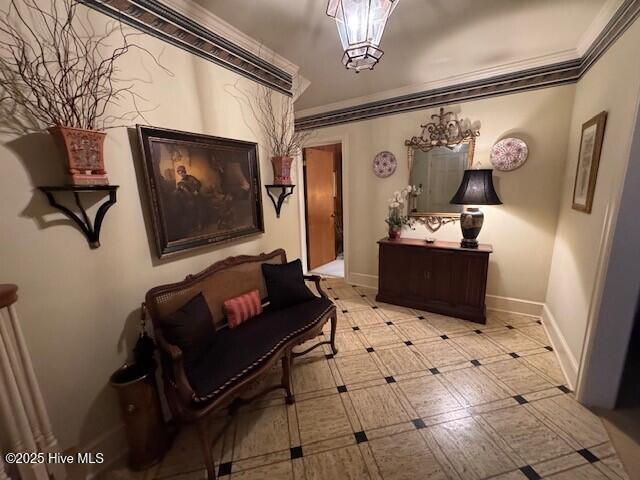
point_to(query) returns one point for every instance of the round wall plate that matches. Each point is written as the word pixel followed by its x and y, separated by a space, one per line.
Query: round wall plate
pixel 384 164
pixel 509 154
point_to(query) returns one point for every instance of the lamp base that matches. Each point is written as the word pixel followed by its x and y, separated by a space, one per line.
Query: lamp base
pixel 471 221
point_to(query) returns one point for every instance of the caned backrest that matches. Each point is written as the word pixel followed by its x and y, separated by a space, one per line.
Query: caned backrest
pixel 221 281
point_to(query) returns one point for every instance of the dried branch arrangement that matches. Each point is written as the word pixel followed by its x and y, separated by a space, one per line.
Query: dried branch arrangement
pixel 57 70
pixel 276 121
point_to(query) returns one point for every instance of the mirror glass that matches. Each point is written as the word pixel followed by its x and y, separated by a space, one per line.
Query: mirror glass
pixel 438 174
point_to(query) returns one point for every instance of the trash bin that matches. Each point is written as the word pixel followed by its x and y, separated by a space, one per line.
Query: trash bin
pixel 140 406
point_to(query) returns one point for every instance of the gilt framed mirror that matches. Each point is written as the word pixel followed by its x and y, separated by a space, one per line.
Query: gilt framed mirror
pixel 437 172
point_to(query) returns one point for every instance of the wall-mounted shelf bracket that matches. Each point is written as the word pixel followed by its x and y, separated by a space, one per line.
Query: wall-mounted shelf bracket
pixel 285 191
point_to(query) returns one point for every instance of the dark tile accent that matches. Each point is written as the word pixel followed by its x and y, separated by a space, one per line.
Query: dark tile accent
pixel 389 323
pixel 563 389
pixel 520 399
pixel 336 298
pixel 510 327
pixel 345 311
pixel 539 322
pixel 588 456
pixel 296 452
pixel 530 473
pixel 514 355
pixel 361 437
pixel 435 371
pixel 370 349
pixel 408 343
pixel 375 307
pixel 362 295
pixel 329 288
pixel 390 379
pixel 479 332
pixel 356 328
pixel 475 363
pixel 224 469
pixel 418 423
pixel 444 337
pixel 549 348
pixel 420 317
pixel 342 389
pixel 329 356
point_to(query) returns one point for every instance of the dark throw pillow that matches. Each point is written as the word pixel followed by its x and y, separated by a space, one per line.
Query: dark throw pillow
pixel 285 284
pixel 190 328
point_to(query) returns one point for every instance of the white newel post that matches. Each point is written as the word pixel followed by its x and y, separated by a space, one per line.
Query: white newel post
pixel 22 406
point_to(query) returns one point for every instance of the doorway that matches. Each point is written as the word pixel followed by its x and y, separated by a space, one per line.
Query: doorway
pixel 322 170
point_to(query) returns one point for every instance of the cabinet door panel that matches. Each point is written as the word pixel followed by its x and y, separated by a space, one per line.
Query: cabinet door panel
pixel 442 278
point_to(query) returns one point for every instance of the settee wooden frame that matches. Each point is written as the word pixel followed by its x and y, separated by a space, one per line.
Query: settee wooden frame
pixel 179 393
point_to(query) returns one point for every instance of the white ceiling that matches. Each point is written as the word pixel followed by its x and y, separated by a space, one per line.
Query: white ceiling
pixel 426 42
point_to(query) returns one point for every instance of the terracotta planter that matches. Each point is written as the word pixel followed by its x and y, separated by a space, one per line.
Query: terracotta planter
pixel 84 152
pixel 281 170
pixel 394 232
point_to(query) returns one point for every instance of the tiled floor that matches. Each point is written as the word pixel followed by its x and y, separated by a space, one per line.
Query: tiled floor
pixel 413 395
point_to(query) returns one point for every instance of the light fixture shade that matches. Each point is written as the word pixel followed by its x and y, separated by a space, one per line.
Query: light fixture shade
pixel 361 24
pixel 476 188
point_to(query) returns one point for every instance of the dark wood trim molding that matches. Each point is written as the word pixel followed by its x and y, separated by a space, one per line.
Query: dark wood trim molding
pixel 161 21
pixel 529 79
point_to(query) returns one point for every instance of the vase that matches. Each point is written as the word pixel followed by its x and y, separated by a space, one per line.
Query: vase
pixel 84 153
pixel 281 170
pixel 394 232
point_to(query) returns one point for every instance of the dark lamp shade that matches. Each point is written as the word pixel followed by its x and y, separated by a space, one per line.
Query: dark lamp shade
pixel 476 189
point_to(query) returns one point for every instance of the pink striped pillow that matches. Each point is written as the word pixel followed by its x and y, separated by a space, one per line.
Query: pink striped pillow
pixel 242 308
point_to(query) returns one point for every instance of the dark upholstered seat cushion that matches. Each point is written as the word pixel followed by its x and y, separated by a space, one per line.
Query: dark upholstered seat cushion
pixel 190 328
pixel 235 353
pixel 285 284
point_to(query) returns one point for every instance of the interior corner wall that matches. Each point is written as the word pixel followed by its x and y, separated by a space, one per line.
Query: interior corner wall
pixel 579 255
pixel 80 308
pixel 522 230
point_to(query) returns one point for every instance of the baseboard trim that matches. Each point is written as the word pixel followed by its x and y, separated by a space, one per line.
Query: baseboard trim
pixel 514 305
pixel 362 279
pixel 567 361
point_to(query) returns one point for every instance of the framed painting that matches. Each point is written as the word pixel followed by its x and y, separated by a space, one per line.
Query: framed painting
pixel 588 162
pixel 203 190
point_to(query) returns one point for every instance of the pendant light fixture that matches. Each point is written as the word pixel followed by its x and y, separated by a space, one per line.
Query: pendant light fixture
pixel 361 24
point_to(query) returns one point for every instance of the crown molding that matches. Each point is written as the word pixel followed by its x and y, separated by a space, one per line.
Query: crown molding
pixel 563 68
pixel 194 29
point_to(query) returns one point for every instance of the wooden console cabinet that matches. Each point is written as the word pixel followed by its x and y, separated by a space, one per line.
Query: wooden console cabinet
pixel 439 277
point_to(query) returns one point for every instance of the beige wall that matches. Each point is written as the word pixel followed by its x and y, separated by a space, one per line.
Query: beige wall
pixel 521 231
pixel 613 85
pixel 80 307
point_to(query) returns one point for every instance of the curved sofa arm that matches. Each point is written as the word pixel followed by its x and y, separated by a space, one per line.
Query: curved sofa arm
pixel 316 279
pixel 175 374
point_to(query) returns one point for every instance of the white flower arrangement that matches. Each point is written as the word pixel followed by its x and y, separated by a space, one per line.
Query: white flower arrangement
pixel 396 218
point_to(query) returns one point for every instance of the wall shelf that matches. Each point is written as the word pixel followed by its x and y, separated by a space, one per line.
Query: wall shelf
pixel 90 229
pixel 279 200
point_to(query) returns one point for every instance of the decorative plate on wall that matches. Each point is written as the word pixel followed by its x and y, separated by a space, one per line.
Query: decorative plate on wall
pixel 384 164
pixel 509 154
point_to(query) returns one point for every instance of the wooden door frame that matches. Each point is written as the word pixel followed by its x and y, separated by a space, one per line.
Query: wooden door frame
pixel 343 140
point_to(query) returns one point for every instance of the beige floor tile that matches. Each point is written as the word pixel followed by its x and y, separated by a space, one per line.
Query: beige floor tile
pixel 446 325
pixel 428 396
pixel 513 319
pixel 277 471
pixel 322 419
pixel 357 368
pixel 344 463
pixel 400 360
pixel 392 312
pixel 536 332
pixel 477 346
pixel 440 353
pixel 406 457
pixel 417 329
pixel 614 464
pixel 517 376
pixel 515 475
pixel 260 432
pixel 366 318
pixel 311 375
pixel 475 386
pixel 348 341
pixel 380 336
pixel 471 451
pixel 344 292
pixel 574 419
pixel 377 407
pixel 548 365
pixel 513 341
pixel 526 435
pixel 353 304
pixel 584 472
